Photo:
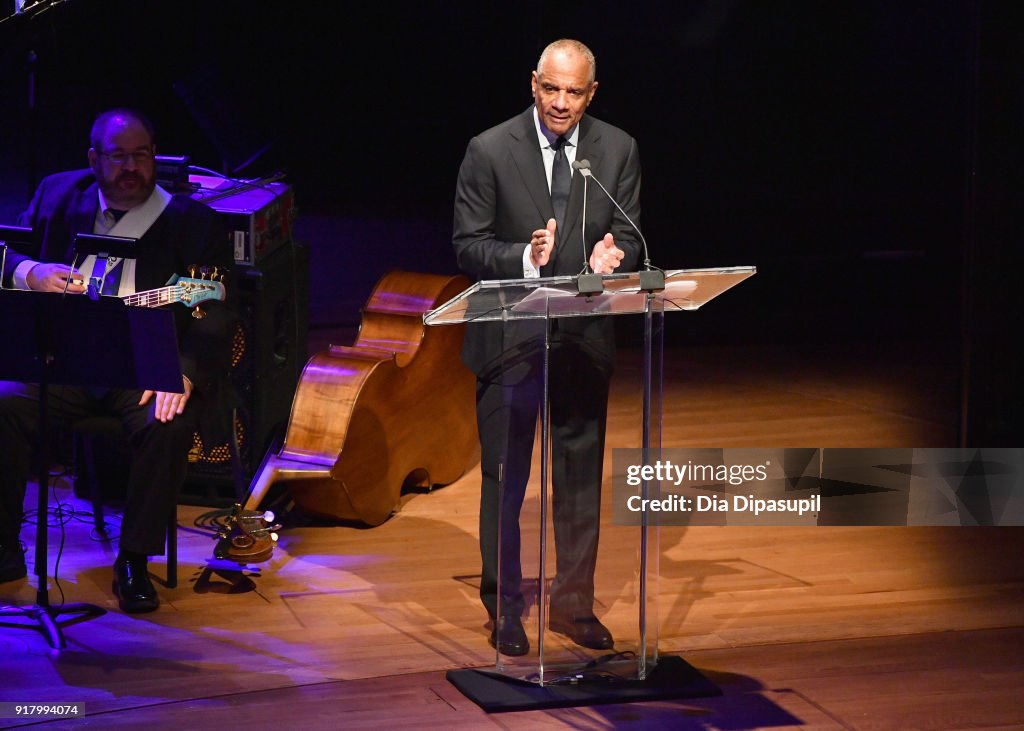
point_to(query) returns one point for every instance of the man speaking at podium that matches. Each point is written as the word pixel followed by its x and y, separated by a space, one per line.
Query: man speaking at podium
pixel 518 213
pixel 118 196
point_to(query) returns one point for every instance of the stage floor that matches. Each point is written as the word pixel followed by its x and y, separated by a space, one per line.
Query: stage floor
pixel 816 627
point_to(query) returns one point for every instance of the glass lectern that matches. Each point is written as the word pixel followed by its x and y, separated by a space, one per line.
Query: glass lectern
pixel 624 581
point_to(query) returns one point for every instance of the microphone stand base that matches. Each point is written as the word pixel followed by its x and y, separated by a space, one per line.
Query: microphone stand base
pixel 589 284
pixel 652 280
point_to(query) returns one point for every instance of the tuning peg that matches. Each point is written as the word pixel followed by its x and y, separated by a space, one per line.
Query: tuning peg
pixel 198 313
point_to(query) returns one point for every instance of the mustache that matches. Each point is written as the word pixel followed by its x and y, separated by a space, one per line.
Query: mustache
pixel 130 175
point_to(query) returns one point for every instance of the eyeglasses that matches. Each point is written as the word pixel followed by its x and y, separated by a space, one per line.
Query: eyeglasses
pixel 120 158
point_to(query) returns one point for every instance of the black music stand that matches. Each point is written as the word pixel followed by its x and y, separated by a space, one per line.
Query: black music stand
pixel 74 341
pixel 11 235
pixel 103 247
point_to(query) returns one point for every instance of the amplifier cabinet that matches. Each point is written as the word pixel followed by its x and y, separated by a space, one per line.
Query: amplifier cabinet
pixel 268 354
pixel 258 217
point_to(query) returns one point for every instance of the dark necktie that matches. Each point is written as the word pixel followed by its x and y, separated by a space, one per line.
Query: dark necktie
pixel 111 275
pixel 560 178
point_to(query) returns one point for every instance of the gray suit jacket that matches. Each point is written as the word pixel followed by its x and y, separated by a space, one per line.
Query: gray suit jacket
pixel 502 197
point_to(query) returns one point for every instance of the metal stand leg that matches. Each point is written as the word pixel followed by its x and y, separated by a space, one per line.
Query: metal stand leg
pixel 42 613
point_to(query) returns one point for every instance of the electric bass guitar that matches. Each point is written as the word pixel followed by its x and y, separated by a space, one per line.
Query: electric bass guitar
pixel 188 291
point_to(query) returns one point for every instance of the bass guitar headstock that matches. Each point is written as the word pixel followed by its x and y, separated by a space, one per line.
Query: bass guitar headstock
pixel 202 284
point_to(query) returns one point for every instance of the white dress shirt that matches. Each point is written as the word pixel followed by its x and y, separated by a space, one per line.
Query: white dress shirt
pixel 545 138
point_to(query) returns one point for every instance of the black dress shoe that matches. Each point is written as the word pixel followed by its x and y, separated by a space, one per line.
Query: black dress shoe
pixel 134 591
pixel 584 631
pixel 12 561
pixel 509 637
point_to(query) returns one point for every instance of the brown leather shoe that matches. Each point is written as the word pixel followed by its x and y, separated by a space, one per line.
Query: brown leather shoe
pixel 584 631
pixel 509 637
pixel 134 591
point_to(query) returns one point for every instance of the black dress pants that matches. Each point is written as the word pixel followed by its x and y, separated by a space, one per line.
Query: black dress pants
pixel 159 454
pixel 508 404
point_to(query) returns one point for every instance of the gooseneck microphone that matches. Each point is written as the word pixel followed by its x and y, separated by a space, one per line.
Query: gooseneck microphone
pixel 587 282
pixel 651 278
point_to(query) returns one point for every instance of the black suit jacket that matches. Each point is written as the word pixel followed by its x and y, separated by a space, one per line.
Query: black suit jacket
pixel 502 197
pixel 186 233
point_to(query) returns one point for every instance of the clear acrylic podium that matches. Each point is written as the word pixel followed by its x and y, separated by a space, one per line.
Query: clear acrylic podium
pixel 625 582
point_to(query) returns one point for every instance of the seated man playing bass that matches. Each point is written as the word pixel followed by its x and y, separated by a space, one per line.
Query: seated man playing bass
pixel 118 196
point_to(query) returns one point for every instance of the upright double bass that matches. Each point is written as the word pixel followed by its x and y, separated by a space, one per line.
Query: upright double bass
pixel 395 409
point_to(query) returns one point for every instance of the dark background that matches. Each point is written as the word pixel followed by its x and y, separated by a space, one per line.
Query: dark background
pixel 864 156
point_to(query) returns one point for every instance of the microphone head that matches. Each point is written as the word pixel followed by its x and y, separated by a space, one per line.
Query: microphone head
pixel 581 164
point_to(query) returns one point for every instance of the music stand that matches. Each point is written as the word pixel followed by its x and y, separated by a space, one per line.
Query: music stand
pixel 11 234
pixel 74 341
pixel 103 247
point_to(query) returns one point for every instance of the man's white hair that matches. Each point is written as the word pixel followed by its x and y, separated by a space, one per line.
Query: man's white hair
pixel 568 45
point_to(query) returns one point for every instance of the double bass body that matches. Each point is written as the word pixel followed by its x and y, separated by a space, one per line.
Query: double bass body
pixel 395 409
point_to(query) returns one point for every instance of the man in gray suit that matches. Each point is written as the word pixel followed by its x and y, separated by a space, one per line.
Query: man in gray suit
pixel 518 211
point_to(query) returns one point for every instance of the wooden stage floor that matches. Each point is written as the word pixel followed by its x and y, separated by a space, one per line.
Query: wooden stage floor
pixel 810 627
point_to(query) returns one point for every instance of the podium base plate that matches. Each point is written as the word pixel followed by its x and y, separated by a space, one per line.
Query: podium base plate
pixel 672 678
